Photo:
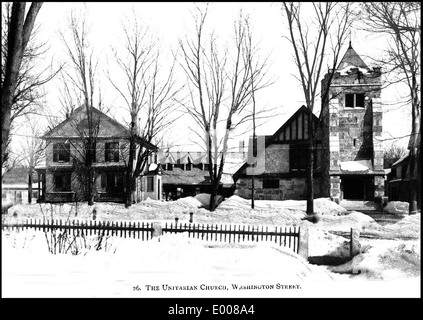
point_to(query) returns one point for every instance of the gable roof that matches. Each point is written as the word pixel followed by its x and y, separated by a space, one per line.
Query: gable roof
pixel 18 175
pixel 276 137
pixel 185 159
pixel 351 59
pixel 76 123
pixel 303 109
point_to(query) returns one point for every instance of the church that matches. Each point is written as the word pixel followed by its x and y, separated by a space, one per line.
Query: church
pixel 348 151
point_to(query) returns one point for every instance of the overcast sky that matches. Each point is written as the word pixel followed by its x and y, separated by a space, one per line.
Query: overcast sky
pixel 171 21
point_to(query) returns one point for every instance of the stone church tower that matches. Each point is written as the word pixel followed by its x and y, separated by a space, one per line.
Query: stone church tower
pixel 352 128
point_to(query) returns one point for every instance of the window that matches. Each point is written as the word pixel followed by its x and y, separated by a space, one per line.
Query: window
pixel 93 150
pixel 169 167
pixel 61 152
pixel 112 152
pixel 150 184
pixel 18 196
pixel 62 182
pixel 354 100
pixel 114 182
pixel 188 166
pixel 271 184
pixel 206 167
pixel 103 181
pixel 298 157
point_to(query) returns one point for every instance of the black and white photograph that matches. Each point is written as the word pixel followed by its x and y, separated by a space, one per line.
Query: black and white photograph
pixel 211 150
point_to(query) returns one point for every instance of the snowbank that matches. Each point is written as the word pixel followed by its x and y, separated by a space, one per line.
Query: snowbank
pixel 396 207
pixel 204 198
pixel 345 222
pixel 235 202
pixel 407 228
pixel 385 260
pixel 323 206
pixel 323 243
pixel 175 260
pixel 187 203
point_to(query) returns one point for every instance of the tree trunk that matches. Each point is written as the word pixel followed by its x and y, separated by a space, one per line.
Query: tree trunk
pixel 89 164
pixel 30 184
pixel 310 179
pixel 90 186
pixel 412 200
pixel 310 167
pixel 414 148
pixel 13 63
pixel 215 189
pixel 130 177
pixel 19 32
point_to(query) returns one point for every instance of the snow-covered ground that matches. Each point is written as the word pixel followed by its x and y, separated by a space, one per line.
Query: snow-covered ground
pixel 183 267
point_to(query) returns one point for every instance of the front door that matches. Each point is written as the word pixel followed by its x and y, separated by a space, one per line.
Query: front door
pixel 357 188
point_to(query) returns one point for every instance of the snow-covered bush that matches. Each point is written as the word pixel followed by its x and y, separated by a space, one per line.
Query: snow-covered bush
pixel 396 207
pixel 75 242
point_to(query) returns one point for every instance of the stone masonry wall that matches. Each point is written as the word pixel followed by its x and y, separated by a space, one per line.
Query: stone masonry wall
pixel 352 133
pixel 289 189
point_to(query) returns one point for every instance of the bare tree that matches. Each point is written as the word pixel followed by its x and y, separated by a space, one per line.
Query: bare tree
pixel 81 75
pixel 392 154
pixel 32 151
pixel 401 22
pixel 148 93
pixel 313 39
pixel 221 84
pixel 19 28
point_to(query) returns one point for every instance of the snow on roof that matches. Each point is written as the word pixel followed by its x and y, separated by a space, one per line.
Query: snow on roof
pixel 353 166
pixel 407 152
pixel 351 58
pixel 18 186
pixel 345 70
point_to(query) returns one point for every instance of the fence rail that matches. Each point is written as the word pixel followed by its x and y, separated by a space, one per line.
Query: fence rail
pixel 284 236
pixel 139 230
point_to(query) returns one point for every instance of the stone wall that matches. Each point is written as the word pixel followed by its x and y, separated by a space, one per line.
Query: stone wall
pixel 352 134
pixel 277 158
pixel 289 189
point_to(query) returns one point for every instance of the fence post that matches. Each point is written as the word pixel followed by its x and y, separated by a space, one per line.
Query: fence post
pixel 355 246
pixel 303 242
pixel 157 229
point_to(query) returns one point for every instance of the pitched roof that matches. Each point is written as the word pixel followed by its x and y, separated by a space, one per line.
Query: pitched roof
pixel 76 125
pixel 18 175
pixel 194 176
pixel 196 157
pixel 190 177
pixel 351 59
pixel 269 139
pixel 185 159
pixel 77 122
pixel 167 158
